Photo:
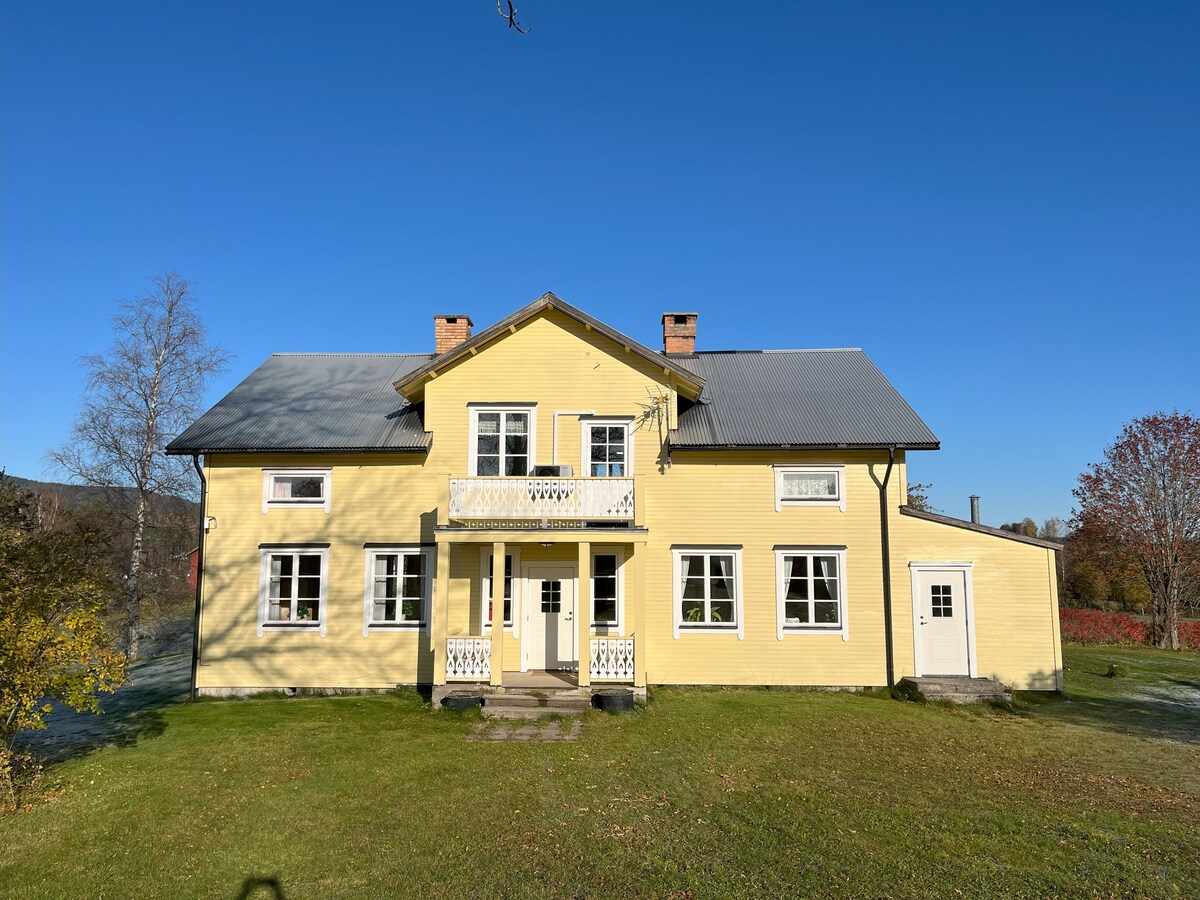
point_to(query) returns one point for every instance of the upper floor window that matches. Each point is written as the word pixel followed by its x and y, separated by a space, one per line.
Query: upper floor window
pixel 607 449
pixel 708 589
pixel 292 589
pixel 810 486
pixel 502 440
pixel 296 487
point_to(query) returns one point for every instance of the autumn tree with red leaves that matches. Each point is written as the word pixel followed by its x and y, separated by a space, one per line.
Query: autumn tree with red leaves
pixel 1145 498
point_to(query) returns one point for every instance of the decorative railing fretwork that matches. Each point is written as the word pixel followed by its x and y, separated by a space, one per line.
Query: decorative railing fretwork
pixel 468 659
pixel 541 498
pixel 612 659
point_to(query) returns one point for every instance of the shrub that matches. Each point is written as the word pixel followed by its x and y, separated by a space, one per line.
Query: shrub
pixel 1189 635
pixel 1090 626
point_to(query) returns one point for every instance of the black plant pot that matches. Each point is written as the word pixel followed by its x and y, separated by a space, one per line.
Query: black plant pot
pixel 613 699
pixel 462 699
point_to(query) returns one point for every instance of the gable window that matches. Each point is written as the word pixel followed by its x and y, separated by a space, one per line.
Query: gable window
pixel 810 486
pixel 296 487
pixel 501 441
pixel 398 587
pixel 708 589
pixel 607 449
pixel 485 590
pixel 607 595
pixel 293 588
pixel 811 590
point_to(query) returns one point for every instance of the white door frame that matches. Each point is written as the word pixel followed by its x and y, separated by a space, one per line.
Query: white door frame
pixel 528 608
pixel 965 569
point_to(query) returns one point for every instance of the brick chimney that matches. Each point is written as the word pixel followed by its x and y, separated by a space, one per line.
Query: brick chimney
pixel 450 331
pixel 679 332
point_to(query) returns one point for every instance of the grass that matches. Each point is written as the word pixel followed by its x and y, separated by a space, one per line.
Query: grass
pixel 703 793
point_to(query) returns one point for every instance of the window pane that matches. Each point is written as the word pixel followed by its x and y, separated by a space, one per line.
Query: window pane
pixel 693 566
pixel 413 609
pixel 797 589
pixel 810 485
pixel 488 465
pixel 795 613
pixel 308 588
pixel 516 465
pixel 310 564
pixel 606 611
pixel 599 453
pixel 281 588
pixel 298 487
pixel 693 589
pixel 516 443
pixel 720 566
pixel 721 613
pixel 382 610
pixel 516 423
pixel 308 611
pixel 605 564
pixel 488 423
pixel 826 613
pixel 488 444
pixel 693 611
pixel 799 566
pixel 616 454
pixel 385 565
pixel 385 587
pixel 604 587
pixel 414 564
pixel 616 434
pixel 281 566
pixel 277 613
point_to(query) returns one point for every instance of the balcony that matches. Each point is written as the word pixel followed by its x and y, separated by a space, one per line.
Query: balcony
pixel 545 499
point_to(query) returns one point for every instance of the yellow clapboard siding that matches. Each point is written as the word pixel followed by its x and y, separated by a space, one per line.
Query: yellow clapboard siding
pixel 698 498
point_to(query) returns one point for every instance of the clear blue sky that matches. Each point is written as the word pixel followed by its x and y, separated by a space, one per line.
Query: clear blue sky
pixel 999 202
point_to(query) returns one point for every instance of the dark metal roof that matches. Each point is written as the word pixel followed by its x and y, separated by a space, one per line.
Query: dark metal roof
pixel 314 401
pixel 796 398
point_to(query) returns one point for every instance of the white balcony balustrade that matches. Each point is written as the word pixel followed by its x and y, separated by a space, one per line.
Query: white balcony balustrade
pixel 468 659
pixel 541 498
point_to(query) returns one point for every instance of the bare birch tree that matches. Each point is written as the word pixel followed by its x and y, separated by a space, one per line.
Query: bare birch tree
pixel 139 395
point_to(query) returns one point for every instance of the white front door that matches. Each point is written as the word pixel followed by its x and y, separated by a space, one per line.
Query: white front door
pixel 551 634
pixel 942 620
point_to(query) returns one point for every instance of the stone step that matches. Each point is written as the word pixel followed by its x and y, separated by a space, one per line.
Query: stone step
pixel 961 690
pixel 493 711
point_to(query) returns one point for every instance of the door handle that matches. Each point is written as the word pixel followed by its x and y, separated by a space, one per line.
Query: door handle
pixel 923 622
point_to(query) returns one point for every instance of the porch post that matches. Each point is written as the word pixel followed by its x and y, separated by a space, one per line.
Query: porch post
pixel 497 661
pixel 441 612
pixel 639 614
pixel 583 613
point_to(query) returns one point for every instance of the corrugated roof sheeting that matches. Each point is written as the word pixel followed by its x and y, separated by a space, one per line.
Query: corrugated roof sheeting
pixel 313 402
pixel 796 397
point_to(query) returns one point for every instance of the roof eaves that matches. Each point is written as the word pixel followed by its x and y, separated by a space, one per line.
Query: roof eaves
pixel 981 529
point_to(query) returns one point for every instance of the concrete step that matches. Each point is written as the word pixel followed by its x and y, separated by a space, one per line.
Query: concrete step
pixel 961 690
pixel 529 712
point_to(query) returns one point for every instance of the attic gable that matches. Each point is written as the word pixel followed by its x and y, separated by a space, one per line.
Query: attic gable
pixel 412 385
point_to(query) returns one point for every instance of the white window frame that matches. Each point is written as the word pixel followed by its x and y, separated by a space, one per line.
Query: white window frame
pixel 677 554
pixel 607 628
pixel 266 551
pixel 474 409
pixel 271 502
pixel 838 471
pixel 485 590
pixel 782 628
pixel 428 565
pixel 585 443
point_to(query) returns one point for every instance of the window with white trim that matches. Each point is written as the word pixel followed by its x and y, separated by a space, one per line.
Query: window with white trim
pixel 502 441
pixel 607 448
pixel 485 590
pixel 296 487
pixel 708 589
pixel 811 590
pixel 398 589
pixel 608 599
pixel 293 587
pixel 810 486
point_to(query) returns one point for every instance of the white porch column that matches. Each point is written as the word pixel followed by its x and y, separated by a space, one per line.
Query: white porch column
pixel 583 613
pixel 639 613
pixel 497 662
pixel 441 612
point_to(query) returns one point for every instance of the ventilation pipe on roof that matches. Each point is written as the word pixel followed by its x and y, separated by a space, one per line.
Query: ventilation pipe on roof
pixel 885 542
pixel 975 508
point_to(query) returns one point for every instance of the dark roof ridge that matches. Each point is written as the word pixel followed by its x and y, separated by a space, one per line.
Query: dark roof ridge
pixel 347 353
pixel 976 526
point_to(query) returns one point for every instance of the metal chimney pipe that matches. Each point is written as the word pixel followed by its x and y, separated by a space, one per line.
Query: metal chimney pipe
pixel 975 508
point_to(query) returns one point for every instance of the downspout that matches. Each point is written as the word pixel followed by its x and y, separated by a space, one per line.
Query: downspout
pixel 885 540
pixel 199 570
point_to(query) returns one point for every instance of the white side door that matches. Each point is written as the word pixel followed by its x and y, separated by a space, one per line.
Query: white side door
pixel 550 638
pixel 942 620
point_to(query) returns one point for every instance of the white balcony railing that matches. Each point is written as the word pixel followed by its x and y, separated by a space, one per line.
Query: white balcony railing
pixel 541 498
pixel 468 659
pixel 612 659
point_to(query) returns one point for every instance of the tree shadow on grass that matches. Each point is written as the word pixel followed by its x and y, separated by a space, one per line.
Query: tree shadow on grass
pixel 132 713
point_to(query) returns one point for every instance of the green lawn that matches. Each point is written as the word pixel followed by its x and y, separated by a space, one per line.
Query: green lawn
pixel 704 793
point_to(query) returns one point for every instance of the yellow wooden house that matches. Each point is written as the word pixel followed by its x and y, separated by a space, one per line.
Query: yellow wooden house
pixel 550 496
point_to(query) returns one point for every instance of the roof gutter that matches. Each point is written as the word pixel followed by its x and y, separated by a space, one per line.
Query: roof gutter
pixel 199 570
pixel 886 543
